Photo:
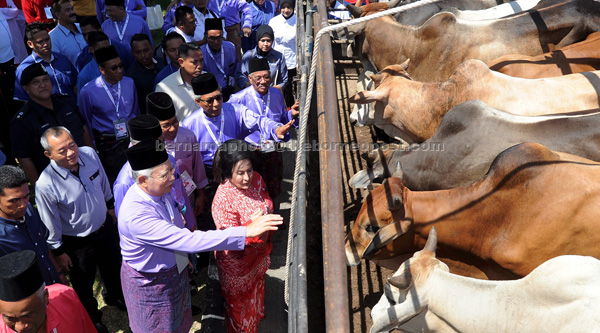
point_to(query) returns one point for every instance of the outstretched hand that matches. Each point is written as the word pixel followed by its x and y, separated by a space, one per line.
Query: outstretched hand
pixel 262 223
pixel 296 109
pixel 282 130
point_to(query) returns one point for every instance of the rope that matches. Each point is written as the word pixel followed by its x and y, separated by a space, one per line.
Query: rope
pixel 304 113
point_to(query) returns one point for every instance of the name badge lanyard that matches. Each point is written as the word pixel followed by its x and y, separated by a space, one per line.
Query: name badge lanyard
pixel 180 258
pixel 220 5
pixel 218 142
pixel 122 33
pixel 220 67
pixel 116 104
pixel 262 112
pixel 54 74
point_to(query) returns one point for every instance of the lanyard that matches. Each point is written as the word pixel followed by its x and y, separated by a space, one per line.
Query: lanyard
pixel 260 109
pixel 169 209
pixel 53 72
pixel 220 6
pixel 210 131
pixel 122 33
pixel 111 97
pixel 222 60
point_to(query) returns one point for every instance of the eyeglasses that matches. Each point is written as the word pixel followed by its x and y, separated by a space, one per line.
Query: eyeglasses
pixel 115 67
pixel 212 99
pixel 165 175
pixel 215 39
pixel 167 126
pixel 261 78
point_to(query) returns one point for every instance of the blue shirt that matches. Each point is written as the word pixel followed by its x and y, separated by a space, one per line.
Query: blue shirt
pixel 85 56
pixel 89 73
pixel 67 43
pixel 130 7
pixel 170 17
pixel 168 70
pixel 277 64
pixel 228 65
pixel 98 110
pixel 260 15
pixel 30 234
pixel 230 10
pixel 61 71
pixel 136 25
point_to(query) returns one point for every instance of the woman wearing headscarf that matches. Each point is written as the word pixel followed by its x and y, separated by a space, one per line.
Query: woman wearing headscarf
pixel 284 28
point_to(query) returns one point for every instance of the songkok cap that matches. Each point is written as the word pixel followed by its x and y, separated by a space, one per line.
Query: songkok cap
pixel 115 3
pixel 258 64
pixel 213 24
pixel 264 29
pixel 146 154
pixel 291 2
pixel 204 84
pixel 105 54
pixel 31 72
pixel 144 127
pixel 160 105
pixel 20 276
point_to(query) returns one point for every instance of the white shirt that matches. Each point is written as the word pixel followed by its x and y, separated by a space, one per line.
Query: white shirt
pixel 285 38
pixel 181 93
pixel 14 21
pixel 340 14
pixel 188 38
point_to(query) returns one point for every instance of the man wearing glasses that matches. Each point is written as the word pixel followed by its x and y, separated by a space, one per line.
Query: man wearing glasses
pixel 106 104
pixel 219 56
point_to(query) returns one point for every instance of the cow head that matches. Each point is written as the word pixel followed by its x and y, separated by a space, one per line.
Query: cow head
pixel 384 162
pixel 404 303
pixel 381 220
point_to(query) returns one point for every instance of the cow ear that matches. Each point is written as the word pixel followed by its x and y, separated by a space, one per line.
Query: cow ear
pixel 367 96
pixel 386 235
pixel 355 11
pixel 431 241
pixel 401 281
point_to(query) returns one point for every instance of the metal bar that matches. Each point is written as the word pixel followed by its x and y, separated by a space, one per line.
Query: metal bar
pixel 334 262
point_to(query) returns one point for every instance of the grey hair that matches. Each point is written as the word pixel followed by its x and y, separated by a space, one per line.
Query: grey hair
pixel 55 132
pixel 135 174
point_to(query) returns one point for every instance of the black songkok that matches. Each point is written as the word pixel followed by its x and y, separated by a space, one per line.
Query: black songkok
pixel 204 84
pixel 144 127
pixel 115 3
pixel 213 24
pixel 146 154
pixel 105 54
pixel 160 105
pixel 20 276
pixel 31 72
pixel 264 29
pixel 258 64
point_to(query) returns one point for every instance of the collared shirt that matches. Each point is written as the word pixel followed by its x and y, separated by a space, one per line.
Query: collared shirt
pixel 230 10
pixel 285 38
pixel 229 64
pixel 168 70
pixel 182 94
pixel 130 7
pixel 276 110
pixel 149 236
pixel 67 43
pixel 276 63
pixel 187 158
pixel 85 56
pixel 200 19
pixel 34 119
pixel 169 19
pixel 144 79
pixel 186 37
pixel 28 234
pixel 64 312
pixel 73 205
pixel 239 122
pixel 16 23
pixel 34 10
pixel 125 180
pixel 89 73
pixel 260 15
pixel 136 25
pixel 98 110
pixel 61 71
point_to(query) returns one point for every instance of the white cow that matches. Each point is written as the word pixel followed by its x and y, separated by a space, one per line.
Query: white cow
pixel 495 12
pixel 562 294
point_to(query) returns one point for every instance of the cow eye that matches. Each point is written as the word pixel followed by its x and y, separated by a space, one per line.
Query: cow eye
pixel 395 203
pixel 372 228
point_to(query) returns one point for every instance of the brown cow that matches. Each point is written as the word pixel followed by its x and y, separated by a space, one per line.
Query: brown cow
pixel 443 42
pixel 534 204
pixel 575 58
pixel 416 109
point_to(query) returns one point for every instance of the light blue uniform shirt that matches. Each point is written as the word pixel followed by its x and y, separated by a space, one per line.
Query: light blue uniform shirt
pixel 67 43
pixel 63 75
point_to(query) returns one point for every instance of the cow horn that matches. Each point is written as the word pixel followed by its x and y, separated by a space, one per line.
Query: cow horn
pixel 394 317
pixel 431 241
pixel 355 11
pixel 397 173
pixel 385 235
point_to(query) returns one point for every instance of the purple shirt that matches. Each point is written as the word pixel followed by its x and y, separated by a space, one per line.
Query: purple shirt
pixel 276 111
pixel 228 62
pixel 187 158
pixel 238 123
pixel 136 25
pixel 149 237
pixel 98 110
pixel 230 10
pixel 170 17
pixel 130 7
pixel 63 75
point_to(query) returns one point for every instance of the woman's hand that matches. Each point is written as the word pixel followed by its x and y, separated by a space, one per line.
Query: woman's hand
pixel 261 223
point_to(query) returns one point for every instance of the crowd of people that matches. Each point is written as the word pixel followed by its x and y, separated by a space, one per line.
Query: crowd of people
pixel 144 158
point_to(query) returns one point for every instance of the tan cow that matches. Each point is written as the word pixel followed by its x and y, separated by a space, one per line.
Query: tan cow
pixel 534 204
pixel 575 58
pixel 413 110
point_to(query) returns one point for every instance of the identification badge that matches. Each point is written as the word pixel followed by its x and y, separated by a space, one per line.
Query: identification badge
pixel 230 81
pixel 188 182
pixel 121 129
pixel 267 146
pixel 48 13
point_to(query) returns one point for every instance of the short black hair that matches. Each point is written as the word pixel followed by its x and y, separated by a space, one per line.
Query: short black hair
pixel 11 177
pixel 170 36
pixel 33 29
pixel 90 20
pixel 228 155
pixel 56 6
pixel 185 48
pixel 181 13
pixel 139 38
pixel 95 37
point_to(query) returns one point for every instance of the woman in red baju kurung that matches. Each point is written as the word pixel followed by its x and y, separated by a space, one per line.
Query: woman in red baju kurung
pixel 242 197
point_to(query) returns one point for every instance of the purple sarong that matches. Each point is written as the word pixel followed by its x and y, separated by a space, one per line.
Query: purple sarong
pixel 157 302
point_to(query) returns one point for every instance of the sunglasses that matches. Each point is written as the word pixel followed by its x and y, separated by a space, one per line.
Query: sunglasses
pixel 212 99
pixel 115 67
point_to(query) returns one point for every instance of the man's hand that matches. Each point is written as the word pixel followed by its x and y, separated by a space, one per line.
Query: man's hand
pixel 262 223
pixel 247 32
pixel 296 109
pixel 199 202
pixel 282 130
pixel 64 262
